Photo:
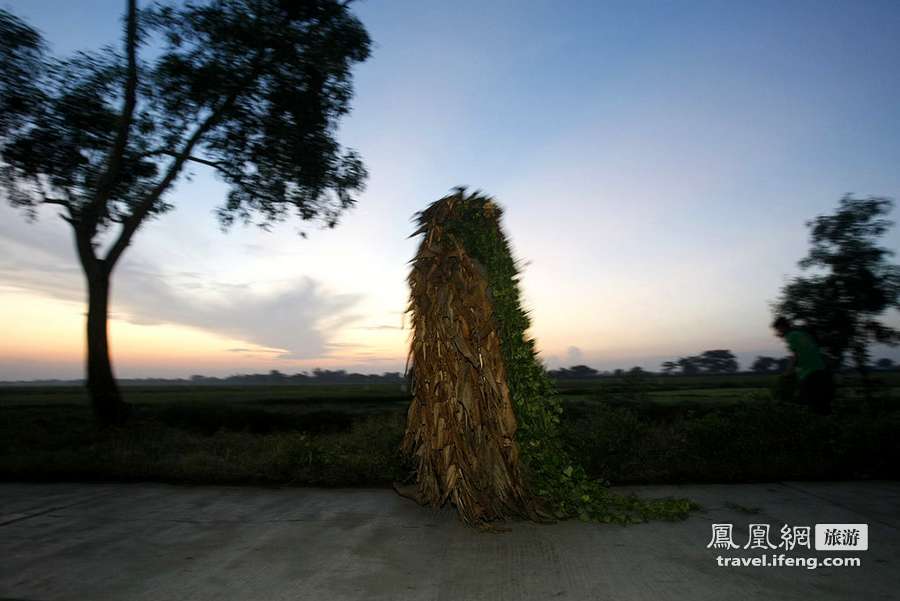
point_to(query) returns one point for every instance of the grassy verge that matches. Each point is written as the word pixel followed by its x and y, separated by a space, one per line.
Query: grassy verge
pixel 621 442
pixel 201 446
pixel 743 442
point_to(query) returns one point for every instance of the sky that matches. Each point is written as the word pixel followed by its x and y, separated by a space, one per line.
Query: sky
pixel 657 163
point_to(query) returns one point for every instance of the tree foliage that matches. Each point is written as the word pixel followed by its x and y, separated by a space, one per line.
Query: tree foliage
pixel 689 366
pixel 575 372
pixel 668 367
pixel 852 281
pixel 764 365
pixel 251 89
pixel 716 361
pixel 885 363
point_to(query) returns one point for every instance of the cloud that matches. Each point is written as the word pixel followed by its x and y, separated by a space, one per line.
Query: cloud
pixel 253 350
pixel 296 320
pixel 574 356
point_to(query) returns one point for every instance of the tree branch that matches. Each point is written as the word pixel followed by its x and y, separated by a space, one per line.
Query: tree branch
pixel 47 200
pixel 133 221
pixel 207 162
pixel 195 159
pixel 83 244
pixel 116 152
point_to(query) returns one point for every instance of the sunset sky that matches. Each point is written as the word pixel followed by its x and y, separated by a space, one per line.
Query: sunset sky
pixel 656 160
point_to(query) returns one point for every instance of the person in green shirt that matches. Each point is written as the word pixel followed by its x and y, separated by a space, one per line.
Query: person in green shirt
pixel 814 381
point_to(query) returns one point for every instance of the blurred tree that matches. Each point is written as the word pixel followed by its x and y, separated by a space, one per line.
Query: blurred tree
pixel 885 364
pixel 854 286
pixel 573 373
pixel 581 371
pixel 668 367
pixel 764 365
pixel 250 89
pixel 719 361
pixel 689 365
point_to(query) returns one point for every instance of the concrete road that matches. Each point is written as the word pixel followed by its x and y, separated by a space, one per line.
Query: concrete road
pixel 92 542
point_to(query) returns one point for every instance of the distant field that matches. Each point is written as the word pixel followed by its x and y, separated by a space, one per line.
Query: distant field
pixel 365 398
pixel 347 396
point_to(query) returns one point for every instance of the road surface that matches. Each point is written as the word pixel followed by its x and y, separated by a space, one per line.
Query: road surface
pixel 98 542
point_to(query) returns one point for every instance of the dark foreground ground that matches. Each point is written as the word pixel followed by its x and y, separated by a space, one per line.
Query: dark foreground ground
pixel 628 430
pixel 164 542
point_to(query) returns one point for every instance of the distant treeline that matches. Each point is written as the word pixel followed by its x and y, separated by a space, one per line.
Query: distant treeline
pixel 274 377
pixel 714 362
pixel 717 361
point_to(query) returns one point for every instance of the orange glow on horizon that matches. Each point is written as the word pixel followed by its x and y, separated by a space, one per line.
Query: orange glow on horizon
pixel 47 330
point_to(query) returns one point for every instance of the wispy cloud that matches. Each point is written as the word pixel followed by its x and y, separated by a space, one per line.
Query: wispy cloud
pixel 253 350
pixel 296 321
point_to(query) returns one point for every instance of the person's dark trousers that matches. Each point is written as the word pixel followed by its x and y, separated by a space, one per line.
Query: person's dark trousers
pixel 816 391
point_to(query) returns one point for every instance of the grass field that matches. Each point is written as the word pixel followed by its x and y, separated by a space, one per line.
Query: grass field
pixel 623 430
pixel 346 395
pixel 666 389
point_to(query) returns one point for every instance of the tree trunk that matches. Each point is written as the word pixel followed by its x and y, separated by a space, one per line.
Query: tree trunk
pixel 109 409
pixel 861 359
